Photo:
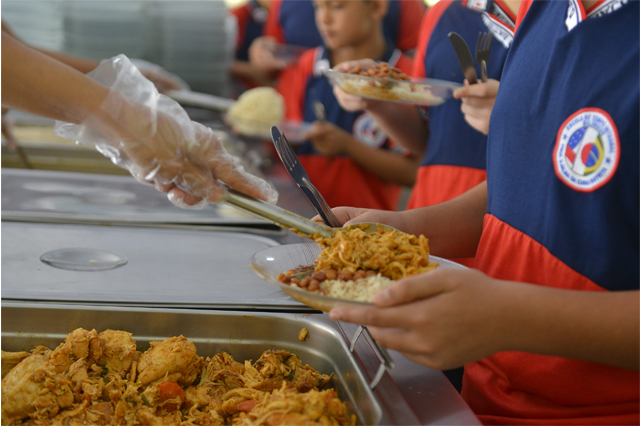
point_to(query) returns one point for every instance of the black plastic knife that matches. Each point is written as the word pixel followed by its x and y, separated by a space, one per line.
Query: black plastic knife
pixel 464 57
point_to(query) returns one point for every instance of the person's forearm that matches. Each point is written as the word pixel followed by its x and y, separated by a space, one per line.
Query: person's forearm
pixel 601 327
pixel 80 64
pixel 386 165
pixel 403 124
pixel 36 83
pixel 453 227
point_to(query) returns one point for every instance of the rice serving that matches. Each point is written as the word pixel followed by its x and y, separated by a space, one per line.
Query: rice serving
pixel 256 110
pixel 361 290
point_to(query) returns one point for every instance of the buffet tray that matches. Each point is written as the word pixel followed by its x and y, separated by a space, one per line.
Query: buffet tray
pixel 34 195
pixel 179 268
pixel 245 335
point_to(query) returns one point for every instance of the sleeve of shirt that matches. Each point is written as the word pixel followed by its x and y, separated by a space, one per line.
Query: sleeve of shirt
pixel 411 12
pixel 272 27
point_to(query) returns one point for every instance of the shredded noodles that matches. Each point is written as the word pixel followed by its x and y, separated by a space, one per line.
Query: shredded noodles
pixel 391 253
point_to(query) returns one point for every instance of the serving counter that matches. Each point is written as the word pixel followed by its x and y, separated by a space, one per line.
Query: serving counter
pixel 155 270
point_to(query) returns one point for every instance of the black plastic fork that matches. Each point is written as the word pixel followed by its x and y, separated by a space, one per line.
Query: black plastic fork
pixel 483 52
pixel 299 175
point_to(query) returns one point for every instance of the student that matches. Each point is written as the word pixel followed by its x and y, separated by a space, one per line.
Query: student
pixel 548 328
pixel 348 158
pixel 250 18
pixel 293 22
pixel 454 160
pixel 124 117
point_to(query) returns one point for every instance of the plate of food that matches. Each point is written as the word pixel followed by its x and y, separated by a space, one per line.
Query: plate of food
pixel 386 83
pixel 347 269
pixel 257 110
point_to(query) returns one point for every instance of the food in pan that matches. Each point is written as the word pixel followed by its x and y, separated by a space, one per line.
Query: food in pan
pixel 355 264
pixel 103 379
pixel 256 111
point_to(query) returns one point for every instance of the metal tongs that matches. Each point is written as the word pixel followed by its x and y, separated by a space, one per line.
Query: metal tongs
pixel 299 175
pixel 306 228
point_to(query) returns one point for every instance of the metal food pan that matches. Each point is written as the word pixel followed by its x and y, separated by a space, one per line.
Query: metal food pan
pixel 244 335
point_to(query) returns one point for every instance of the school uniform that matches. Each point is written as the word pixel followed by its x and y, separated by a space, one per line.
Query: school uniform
pixel 562 212
pixel 455 159
pixel 340 180
pixel 293 22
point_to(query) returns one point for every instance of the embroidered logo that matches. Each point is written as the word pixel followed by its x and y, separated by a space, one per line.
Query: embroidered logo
pixel 587 150
pixel 366 130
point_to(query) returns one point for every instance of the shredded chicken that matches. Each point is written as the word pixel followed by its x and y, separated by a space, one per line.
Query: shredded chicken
pixel 103 379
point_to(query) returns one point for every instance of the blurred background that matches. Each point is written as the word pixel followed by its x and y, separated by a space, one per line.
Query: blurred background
pixel 194 39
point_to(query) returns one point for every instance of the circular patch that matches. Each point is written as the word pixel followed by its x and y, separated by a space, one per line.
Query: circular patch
pixel 366 130
pixel 587 150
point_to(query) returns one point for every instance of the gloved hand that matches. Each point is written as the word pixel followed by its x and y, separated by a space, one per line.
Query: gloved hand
pixel 163 79
pixel 152 136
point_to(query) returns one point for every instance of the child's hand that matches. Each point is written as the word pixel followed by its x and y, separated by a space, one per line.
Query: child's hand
pixel 261 55
pixel 477 103
pixel 328 139
pixel 353 215
pixel 442 319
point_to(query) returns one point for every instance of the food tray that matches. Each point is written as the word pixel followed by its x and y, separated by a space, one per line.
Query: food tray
pixel 270 262
pixel 180 268
pixel 91 198
pixel 244 335
pixel 426 92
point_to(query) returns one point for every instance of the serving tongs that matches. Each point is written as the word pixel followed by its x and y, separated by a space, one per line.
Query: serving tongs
pixel 301 178
pixel 308 228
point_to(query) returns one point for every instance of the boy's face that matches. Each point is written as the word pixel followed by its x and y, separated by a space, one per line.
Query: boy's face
pixel 347 22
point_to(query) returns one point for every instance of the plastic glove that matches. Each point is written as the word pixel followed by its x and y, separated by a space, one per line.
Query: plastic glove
pixel 152 136
pixel 163 79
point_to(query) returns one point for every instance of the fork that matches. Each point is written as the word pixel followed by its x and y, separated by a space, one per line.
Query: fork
pixel 483 51
pixel 300 176
pixel 318 110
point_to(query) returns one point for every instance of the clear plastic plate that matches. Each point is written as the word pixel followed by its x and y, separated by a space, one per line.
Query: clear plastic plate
pixel 271 262
pixel 288 52
pixel 426 92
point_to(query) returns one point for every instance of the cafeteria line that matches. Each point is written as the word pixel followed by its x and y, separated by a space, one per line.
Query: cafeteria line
pixel 155 208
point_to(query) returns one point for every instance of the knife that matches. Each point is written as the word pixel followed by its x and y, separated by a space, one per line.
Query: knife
pixel 464 57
